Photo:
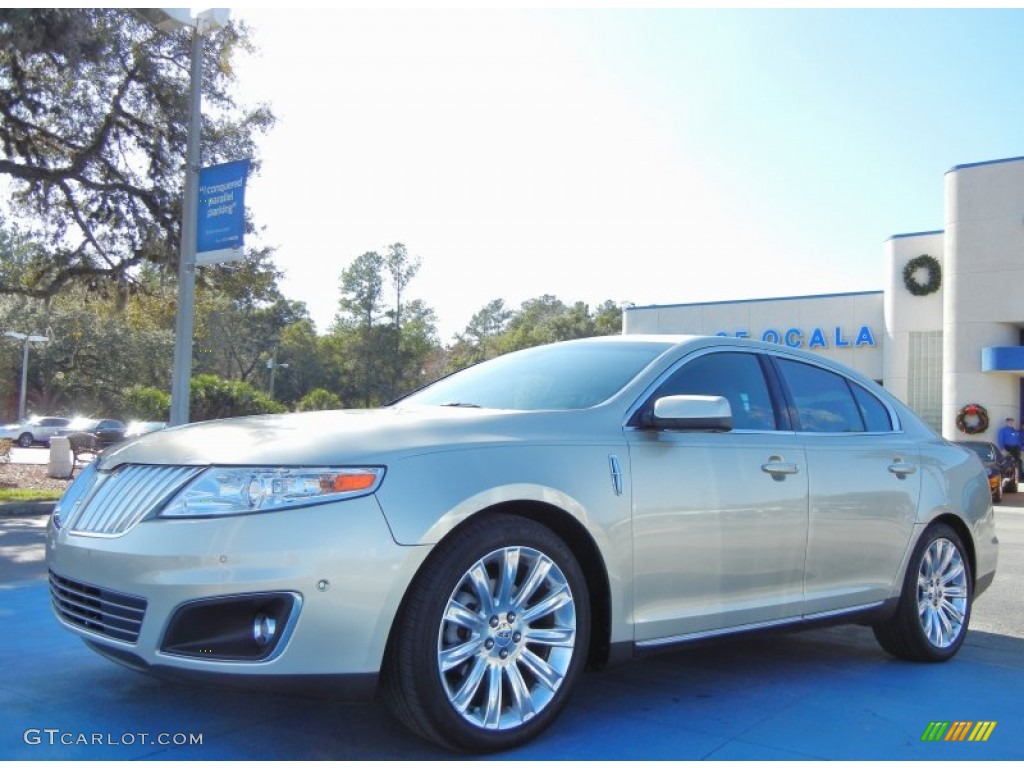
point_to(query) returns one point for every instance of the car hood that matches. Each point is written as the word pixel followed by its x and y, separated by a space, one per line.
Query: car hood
pixel 371 436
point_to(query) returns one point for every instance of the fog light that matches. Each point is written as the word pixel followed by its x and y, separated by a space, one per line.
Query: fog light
pixel 263 629
pixel 232 627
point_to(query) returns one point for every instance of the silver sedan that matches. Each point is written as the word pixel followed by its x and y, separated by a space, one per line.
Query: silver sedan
pixel 467 551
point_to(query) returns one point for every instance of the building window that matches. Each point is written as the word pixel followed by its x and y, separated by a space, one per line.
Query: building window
pixel 924 383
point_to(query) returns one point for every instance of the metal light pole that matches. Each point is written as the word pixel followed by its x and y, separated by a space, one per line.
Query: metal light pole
pixel 273 365
pixel 184 323
pixel 167 19
pixel 27 338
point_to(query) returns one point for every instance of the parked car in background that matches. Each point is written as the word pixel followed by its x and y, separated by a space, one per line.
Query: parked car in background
pixel 999 465
pixel 38 429
pixel 106 431
pixel 137 428
pixel 470 549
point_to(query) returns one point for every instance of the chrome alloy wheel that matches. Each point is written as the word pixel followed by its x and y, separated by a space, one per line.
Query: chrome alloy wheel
pixel 942 593
pixel 507 637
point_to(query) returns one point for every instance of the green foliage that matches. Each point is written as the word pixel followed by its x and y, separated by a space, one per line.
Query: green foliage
pixel 215 398
pixel 496 330
pixel 241 316
pixel 93 124
pixel 111 355
pixel 211 398
pixel 362 292
pixel 311 363
pixel 319 400
pixel 145 404
pixel 95 349
pixel 382 347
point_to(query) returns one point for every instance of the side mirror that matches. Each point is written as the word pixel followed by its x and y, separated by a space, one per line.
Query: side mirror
pixel 695 413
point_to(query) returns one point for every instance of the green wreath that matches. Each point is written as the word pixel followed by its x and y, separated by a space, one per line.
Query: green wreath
pixel 934 275
pixel 972 419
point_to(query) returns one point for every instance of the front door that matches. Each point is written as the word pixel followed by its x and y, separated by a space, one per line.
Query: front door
pixel 719 519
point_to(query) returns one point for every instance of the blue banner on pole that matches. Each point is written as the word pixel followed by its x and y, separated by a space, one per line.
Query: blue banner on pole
pixel 220 220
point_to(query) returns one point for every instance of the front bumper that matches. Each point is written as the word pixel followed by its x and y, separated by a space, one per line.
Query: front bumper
pixel 334 569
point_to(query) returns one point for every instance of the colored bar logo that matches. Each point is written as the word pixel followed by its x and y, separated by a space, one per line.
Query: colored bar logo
pixel 959 730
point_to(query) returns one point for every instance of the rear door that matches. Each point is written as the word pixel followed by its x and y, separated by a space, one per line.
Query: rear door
pixel 865 482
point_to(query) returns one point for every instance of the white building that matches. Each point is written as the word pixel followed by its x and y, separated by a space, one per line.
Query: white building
pixel 946 332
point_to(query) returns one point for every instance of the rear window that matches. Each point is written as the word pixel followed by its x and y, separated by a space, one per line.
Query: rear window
pixel 828 402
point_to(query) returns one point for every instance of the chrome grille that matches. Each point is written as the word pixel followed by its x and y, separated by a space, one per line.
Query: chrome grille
pixel 107 613
pixel 118 501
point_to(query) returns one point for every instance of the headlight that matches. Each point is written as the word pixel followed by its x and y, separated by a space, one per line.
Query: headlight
pixel 240 490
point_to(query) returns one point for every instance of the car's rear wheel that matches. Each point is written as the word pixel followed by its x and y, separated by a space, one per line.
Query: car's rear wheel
pixel 492 636
pixel 935 606
pixel 25 440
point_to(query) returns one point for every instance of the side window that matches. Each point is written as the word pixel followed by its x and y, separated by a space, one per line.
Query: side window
pixel 823 400
pixel 736 376
pixel 875 415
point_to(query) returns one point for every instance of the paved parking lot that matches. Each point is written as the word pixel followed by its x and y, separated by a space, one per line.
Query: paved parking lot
pixel 822 694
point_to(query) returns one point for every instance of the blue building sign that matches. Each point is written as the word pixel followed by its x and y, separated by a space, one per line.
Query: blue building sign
pixel 818 338
pixel 220 220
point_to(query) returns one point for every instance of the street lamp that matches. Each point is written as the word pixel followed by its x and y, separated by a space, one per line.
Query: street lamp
pixel 28 339
pixel 168 20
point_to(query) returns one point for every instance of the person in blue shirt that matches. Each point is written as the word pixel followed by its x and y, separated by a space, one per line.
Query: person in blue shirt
pixel 1009 439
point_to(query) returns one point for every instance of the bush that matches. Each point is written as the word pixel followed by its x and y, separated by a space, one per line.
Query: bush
pixel 145 404
pixel 211 398
pixel 319 400
pixel 217 398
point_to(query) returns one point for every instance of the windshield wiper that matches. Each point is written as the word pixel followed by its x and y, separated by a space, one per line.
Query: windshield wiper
pixel 454 404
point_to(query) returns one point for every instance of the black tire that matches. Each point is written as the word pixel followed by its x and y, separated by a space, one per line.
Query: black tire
pixel 939 578
pixel 459 706
pixel 25 440
pixel 1011 487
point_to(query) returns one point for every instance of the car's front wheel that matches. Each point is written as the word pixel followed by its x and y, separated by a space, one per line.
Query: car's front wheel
pixel 25 440
pixel 935 606
pixel 491 638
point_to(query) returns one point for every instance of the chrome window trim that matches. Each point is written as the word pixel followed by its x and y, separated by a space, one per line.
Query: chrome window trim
pixel 823 364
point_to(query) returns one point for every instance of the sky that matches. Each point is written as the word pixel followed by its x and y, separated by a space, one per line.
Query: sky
pixel 659 156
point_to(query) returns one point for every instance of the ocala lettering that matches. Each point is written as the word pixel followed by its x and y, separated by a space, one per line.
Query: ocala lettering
pixel 817 338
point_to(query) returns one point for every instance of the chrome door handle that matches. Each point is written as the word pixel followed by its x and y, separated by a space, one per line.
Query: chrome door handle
pixel 900 469
pixel 776 466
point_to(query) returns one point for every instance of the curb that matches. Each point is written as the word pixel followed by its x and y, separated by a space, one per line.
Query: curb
pixel 26 508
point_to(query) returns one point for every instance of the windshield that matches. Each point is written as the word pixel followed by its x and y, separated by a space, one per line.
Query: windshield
pixel 552 377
